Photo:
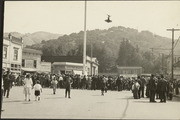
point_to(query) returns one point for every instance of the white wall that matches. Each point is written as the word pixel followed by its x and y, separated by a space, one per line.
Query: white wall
pixel 44 67
pixel 10 53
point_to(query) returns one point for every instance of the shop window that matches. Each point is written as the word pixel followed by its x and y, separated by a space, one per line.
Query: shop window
pixel 35 63
pixel 23 62
pixel 5 52
pixel 15 54
pixel 12 65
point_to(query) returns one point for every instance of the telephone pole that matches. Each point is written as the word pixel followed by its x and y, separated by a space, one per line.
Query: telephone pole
pixel 172 61
pixel 84 47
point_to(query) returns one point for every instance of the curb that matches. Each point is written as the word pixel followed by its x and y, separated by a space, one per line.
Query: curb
pixel 178 96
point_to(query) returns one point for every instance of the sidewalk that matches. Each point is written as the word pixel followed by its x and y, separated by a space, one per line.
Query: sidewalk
pixel 178 96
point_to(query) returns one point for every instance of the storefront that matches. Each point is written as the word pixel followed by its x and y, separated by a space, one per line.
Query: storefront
pixel 72 64
pixel 12 54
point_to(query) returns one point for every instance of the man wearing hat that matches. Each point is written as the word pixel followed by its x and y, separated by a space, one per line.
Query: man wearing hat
pixel 152 88
pixel 7 83
pixel 67 84
pixel 163 89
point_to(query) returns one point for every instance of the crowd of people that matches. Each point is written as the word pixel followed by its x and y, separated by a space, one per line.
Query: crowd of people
pixel 155 86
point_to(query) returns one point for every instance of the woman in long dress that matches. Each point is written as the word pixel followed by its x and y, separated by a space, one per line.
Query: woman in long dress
pixel 27 87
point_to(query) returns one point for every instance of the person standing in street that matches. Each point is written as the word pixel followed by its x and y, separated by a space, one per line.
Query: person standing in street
pixel 152 88
pixel 94 82
pixel 140 88
pixel 119 83
pixel 143 82
pixel 37 90
pixel 54 83
pixel 171 90
pixel 147 89
pixel 2 89
pixel 7 83
pixel 103 85
pixel 162 89
pixel 135 89
pixel 84 82
pixel 158 88
pixel 27 87
pixel 67 84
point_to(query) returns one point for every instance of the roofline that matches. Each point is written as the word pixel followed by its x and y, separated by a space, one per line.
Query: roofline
pixel 67 63
pixel 128 67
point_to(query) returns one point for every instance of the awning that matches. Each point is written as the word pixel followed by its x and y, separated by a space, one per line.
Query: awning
pixel 29 69
pixel 77 72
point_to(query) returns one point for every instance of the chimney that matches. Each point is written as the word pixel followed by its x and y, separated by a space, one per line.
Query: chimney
pixel 22 40
pixel 10 36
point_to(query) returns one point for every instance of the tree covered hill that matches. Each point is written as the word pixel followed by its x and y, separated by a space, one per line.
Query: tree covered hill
pixel 106 44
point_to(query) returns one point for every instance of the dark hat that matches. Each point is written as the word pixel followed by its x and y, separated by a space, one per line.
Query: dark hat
pixel 38 81
pixel 162 76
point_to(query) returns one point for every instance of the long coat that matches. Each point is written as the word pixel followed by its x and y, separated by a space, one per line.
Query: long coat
pixel 162 85
pixel 68 81
pixel 152 84
pixel 7 81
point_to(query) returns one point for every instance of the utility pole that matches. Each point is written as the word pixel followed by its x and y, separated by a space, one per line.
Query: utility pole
pixel 91 58
pixel 84 50
pixel 172 61
pixel 162 61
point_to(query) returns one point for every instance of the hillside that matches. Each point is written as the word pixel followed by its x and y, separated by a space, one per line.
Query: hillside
pixel 112 38
pixel 106 45
pixel 35 38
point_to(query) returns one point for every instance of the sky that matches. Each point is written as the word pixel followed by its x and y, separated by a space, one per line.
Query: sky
pixel 66 17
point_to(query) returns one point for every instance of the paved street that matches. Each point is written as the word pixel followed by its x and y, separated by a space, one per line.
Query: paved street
pixel 87 104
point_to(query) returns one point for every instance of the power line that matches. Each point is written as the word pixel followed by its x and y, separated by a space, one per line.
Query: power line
pixel 175 45
pixel 172 61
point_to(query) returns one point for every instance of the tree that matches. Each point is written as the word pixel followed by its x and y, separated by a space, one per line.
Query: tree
pixel 128 55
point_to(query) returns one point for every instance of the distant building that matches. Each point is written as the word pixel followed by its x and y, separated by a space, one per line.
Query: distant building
pixel 129 71
pixel 12 53
pixel 177 70
pixel 31 61
pixel 45 67
pixel 176 66
pixel 72 64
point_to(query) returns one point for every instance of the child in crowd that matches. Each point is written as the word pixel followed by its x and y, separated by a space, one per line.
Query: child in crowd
pixel 38 90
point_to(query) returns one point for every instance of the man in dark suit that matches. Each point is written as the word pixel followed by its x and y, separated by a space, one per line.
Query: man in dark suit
pixel 67 84
pixel 140 88
pixel 143 82
pixel 2 89
pixel 152 88
pixel 162 89
pixel 7 83
pixel 119 83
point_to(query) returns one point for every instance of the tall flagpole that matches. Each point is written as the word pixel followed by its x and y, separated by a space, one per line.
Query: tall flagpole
pixel 84 50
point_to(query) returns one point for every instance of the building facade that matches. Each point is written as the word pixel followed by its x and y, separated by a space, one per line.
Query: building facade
pixel 12 54
pixel 176 69
pixel 45 67
pixel 129 71
pixel 31 61
pixel 72 65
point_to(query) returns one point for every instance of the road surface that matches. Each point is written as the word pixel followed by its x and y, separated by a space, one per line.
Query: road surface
pixel 87 104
